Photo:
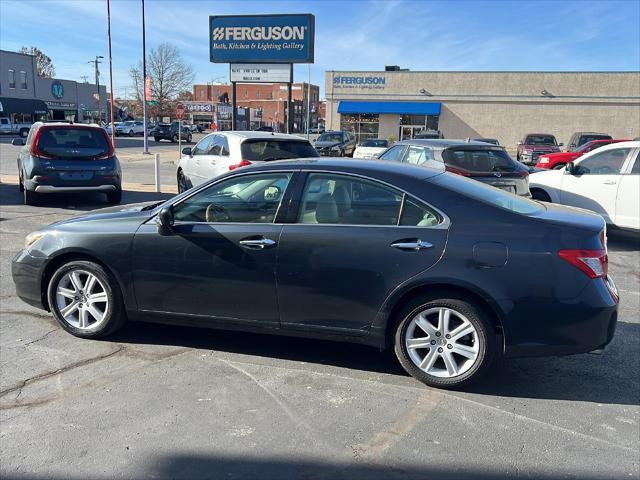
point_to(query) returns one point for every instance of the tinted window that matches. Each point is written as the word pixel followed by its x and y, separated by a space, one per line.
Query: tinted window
pixel 589 137
pixel 540 140
pixel 70 142
pixel 341 199
pixel 489 160
pixel 264 150
pixel 416 214
pixel 587 147
pixel 375 143
pixel 249 199
pixel 608 162
pixel 488 194
pixel 330 137
pixel 394 154
pixel 636 165
pixel 203 146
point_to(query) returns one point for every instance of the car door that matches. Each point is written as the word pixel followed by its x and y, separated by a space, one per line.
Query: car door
pixel 627 213
pixel 216 159
pixel 217 262
pixel 354 240
pixel 199 156
pixel 595 181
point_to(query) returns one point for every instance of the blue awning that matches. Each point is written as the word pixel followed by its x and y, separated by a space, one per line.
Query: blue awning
pixel 393 108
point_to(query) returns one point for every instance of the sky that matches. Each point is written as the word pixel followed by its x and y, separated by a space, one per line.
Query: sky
pixel 350 35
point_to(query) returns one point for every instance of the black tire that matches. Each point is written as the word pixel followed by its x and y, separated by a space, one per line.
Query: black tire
pixel 114 197
pixel 115 312
pixel 29 197
pixel 189 137
pixel 486 338
pixel 174 139
pixel 540 195
pixel 183 184
pixel 156 139
pixel 559 166
pixel 20 182
pixel 24 132
pixel 131 133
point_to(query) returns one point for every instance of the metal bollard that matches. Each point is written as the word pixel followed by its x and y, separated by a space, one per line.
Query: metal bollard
pixel 157 165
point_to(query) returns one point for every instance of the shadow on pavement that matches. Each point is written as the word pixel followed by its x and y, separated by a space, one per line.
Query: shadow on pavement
pixel 610 378
pixel 622 241
pixel 194 466
pixel 10 195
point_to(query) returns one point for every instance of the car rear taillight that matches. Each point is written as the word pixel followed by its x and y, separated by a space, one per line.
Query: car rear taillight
pixel 243 163
pixel 594 263
pixel 457 171
pixel 109 153
pixel 34 150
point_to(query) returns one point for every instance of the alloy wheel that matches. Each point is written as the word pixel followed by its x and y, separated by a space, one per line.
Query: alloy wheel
pixel 442 342
pixel 82 300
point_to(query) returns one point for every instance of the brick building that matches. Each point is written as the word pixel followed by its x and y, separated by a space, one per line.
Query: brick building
pixel 267 103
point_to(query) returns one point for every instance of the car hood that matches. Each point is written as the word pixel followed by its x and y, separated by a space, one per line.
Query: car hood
pixel 326 144
pixel 563 155
pixel 130 211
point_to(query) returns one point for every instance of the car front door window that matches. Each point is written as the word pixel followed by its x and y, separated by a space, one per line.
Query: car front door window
pixel 203 146
pixel 609 162
pixel 246 199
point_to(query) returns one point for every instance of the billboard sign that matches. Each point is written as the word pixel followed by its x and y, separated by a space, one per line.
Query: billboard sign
pixel 261 72
pixel 261 38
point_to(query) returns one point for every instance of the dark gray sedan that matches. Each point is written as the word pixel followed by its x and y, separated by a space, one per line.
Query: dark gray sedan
pixel 447 271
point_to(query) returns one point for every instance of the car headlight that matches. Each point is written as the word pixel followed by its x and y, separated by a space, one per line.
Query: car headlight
pixel 544 160
pixel 527 152
pixel 335 148
pixel 32 239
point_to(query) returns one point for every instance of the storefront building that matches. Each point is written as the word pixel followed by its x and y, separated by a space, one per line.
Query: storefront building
pixel 504 105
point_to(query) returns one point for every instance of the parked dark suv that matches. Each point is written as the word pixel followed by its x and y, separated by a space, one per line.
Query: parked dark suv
pixel 169 131
pixel 59 157
pixel 477 160
pixel 336 144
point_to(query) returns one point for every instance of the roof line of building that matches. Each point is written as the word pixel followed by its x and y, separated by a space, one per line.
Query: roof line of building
pixel 483 71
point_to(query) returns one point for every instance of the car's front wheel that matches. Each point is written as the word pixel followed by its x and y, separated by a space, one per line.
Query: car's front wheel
pixel 189 138
pixel 131 133
pixel 183 184
pixel 174 139
pixel 29 197
pixel 86 300
pixel 115 196
pixel 156 139
pixel 444 342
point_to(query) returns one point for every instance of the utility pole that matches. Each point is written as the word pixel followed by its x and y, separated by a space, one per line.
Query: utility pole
pixel 112 100
pixel 144 84
pixel 96 62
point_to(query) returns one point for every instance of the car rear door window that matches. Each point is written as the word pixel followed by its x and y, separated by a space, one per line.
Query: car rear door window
pixel 480 160
pixel 247 199
pixel 272 149
pixel 608 162
pixel 394 154
pixel 418 155
pixel 72 142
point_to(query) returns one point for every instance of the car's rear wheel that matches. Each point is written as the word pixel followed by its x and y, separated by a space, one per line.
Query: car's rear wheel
pixel 559 166
pixel 86 300
pixel 29 197
pixel 20 182
pixel 189 137
pixel 156 139
pixel 174 139
pixel 540 195
pixel 444 342
pixel 131 133
pixel 115 196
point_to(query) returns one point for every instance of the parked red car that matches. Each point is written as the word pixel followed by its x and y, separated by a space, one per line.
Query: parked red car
pixel 558 160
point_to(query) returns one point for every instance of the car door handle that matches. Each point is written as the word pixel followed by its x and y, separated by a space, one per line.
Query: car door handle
pixel 257 243
pixel 609 182
pixel 411 245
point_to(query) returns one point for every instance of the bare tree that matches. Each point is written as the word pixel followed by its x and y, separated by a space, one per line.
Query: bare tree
pixel 170 76
pixel 44 64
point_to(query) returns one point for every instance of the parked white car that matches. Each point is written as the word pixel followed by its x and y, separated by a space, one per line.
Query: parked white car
pixel 370 148
pixel 130 128
pixel 606 181
pixel 108 127
pixel 219 152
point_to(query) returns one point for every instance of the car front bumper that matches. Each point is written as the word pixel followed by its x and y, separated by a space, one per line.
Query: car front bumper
pixel 27 272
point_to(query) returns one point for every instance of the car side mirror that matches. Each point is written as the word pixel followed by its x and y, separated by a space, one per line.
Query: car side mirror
pixel 18 142
pixel 186 151
pixel 165 221
pixel 571 168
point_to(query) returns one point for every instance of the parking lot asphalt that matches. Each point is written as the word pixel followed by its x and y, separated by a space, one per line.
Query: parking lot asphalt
pixel 157 401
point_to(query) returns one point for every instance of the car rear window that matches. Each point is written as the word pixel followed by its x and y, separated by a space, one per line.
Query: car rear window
pixel 488 194
pixel 540 140
pixel 272 149
pixel 330 137
pixel 479 160
pixel 590 137
pixel 70 142
pixel 375 143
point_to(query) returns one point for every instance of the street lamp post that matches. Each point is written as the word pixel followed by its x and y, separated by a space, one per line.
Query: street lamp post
pixel 144 84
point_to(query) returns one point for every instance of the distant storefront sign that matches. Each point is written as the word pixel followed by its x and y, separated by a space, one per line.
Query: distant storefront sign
pixel 261 38
pixel 261 72
pixel 224 111
pixel 61 105
pixel 198 107
pixel 359 82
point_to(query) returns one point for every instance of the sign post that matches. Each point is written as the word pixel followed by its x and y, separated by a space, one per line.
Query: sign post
pixel 179 116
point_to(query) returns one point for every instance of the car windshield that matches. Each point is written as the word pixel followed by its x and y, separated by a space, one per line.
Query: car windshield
pixel 69 142
pixel 330 137
pixel 264 150
pixel 480 160
pixel 488 194
pixel 540 140
pixel 591 137
pixel 375 143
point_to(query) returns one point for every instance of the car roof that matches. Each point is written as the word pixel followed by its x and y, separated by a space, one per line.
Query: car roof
pixel 591 133
pixel 251 134
pixel 66 124
pixel 443 143
pixel 348 165
pixel 534 133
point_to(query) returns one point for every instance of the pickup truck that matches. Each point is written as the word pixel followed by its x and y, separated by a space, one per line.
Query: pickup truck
pixel 9 128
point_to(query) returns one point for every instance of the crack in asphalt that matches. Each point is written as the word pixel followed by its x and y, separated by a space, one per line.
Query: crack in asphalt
pixel 43 376
pixel 41 337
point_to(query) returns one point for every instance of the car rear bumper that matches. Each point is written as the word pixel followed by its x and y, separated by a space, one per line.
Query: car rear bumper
pixel 535 327
pixel 27 276
pixel 63 189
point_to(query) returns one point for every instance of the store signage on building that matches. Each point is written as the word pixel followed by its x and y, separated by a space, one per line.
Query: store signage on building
pixel 224 112
pixel 261 38
pixel 198 107
pixel 57 90
pixel 60 105
pixel 359 82
pixel 261 72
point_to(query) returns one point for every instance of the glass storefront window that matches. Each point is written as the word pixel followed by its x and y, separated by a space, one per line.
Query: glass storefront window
pixel 364 126
pixel 429 122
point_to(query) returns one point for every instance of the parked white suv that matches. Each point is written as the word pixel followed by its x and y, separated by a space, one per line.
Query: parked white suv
pixel 606 181
pixel 220 152
pixel 130 128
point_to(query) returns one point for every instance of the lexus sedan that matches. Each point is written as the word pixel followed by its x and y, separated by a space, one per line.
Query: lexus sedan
pixel 449 272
